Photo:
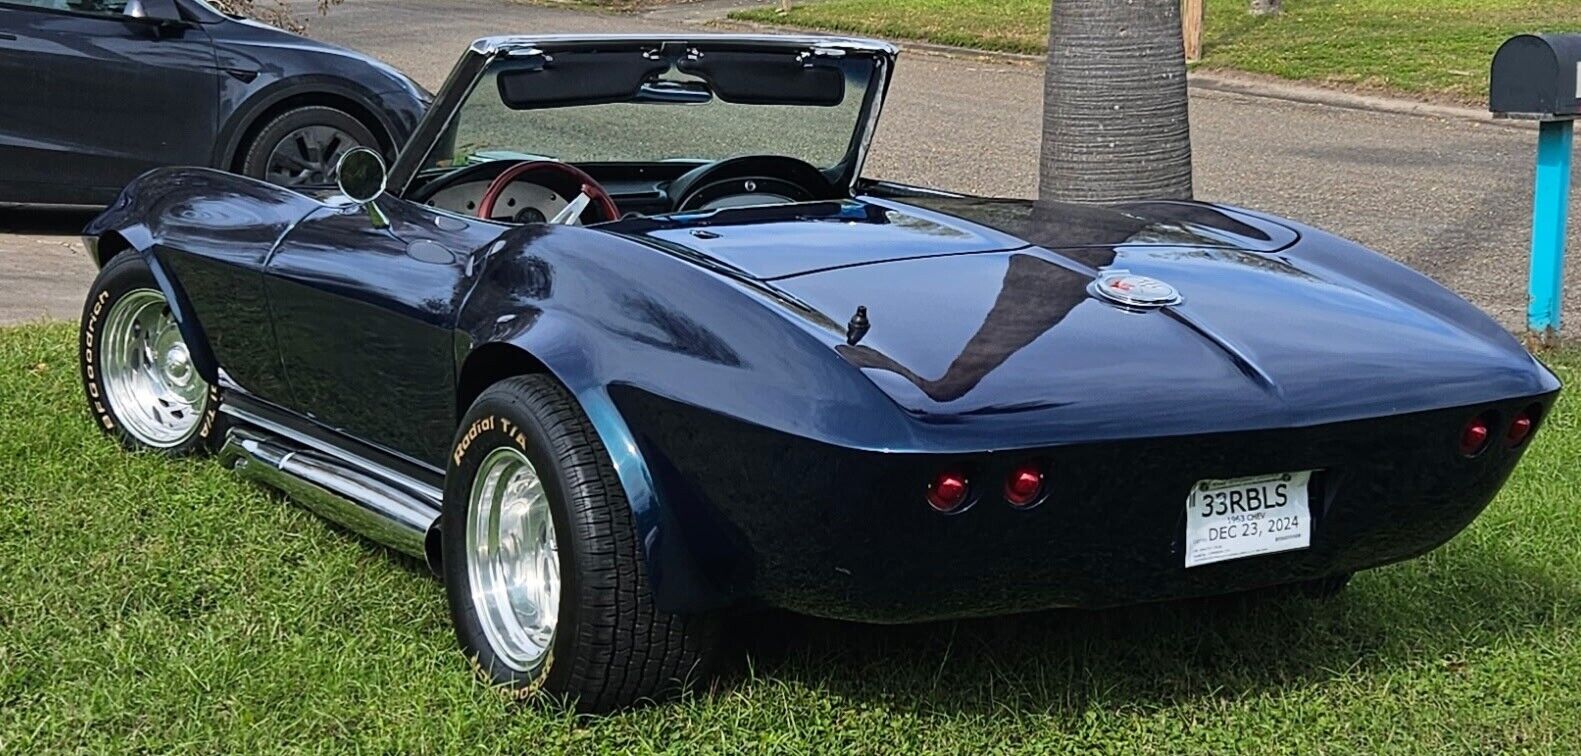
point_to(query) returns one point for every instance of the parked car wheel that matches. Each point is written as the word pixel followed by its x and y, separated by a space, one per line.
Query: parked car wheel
pixel 301 146
pixel 141 383
pixel 542 569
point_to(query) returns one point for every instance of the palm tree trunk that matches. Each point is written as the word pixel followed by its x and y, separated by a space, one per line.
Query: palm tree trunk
pixel 1114 103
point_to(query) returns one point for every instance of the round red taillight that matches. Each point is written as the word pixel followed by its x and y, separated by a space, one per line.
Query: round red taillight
pixel 1024 486
pixel 1474 437
pixel 948 491
pixel 1520 429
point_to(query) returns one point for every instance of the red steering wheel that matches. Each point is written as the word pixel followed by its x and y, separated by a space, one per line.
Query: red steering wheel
pixel 597 195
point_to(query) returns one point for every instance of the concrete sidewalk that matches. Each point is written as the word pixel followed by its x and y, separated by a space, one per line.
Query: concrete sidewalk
pixel 1449 197
pixel 44 272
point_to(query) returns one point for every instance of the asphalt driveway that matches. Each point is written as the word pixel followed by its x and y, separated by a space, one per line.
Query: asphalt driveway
pixel 1450 198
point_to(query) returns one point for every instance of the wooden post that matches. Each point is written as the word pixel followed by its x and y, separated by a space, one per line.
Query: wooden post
pixel 1191 29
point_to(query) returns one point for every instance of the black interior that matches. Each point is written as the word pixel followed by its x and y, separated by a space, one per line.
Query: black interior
pixel 588 78
pixel 787 177
pixel 598 77
pixel 670 186
pixel 762 78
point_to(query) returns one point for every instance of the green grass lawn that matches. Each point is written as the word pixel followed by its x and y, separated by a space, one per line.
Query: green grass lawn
pixel 1440 48
pixel 148 604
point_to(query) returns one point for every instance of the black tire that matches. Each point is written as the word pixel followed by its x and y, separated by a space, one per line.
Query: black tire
pixel 611 647
pixel 123 275
pixel 255 154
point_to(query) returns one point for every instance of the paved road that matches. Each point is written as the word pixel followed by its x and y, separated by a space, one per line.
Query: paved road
pixel 1450 198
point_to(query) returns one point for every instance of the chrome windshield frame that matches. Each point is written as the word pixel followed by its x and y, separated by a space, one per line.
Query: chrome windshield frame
pixel 469 70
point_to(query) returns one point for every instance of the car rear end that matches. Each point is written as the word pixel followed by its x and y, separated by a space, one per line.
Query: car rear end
pixel 882 537
pixel 1282 406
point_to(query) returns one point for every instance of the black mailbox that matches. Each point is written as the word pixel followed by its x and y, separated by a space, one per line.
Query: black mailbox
pixel 1537 76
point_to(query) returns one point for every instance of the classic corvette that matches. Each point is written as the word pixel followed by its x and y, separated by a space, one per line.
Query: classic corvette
pixel 623 340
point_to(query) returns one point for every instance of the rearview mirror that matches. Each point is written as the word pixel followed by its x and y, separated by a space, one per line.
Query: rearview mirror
pixel 360 175
pixel 159 12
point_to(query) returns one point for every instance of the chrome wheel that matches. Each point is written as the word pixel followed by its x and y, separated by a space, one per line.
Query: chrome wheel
pixel 307 156
pixel 513 562
pixel 147 372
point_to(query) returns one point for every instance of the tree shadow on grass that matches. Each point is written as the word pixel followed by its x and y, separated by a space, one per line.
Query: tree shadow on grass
pixel 1062 662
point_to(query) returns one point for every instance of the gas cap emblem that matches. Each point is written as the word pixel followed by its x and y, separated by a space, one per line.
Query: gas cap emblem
pixel 1128 289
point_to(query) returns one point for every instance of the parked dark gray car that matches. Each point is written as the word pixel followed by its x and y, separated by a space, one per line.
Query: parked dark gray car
pixel 95 92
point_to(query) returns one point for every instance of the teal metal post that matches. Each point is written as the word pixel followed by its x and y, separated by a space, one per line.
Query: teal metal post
pixel 1555 143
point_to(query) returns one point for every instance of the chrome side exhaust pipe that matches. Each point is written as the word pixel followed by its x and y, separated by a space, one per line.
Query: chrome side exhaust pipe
pixel 366 505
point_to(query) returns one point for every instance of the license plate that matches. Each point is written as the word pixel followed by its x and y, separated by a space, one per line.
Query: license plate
pixel 1231 519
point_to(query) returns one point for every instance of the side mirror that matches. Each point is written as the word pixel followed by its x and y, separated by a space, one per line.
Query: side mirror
pixel 360 175
pixel 156 12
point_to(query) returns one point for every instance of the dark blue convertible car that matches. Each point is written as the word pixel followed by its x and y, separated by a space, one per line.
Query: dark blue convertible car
pixel 624 340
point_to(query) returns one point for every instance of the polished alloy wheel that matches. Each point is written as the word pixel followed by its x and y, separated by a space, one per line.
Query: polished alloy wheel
pixel 307 156
pixel 148 375
pixel 513 562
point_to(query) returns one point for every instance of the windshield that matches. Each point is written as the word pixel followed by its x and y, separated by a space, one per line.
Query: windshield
pixel 515 112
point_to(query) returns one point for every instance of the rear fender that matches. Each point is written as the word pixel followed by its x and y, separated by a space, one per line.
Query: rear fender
pixel 554 341
pixel 613 319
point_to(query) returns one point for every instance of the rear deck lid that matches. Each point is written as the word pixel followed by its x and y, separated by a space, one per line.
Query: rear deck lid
pixel 779 241
pixel 784 240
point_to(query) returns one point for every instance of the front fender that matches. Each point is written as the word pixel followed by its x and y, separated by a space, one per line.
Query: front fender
pixel 121 220
pixel 181 310
pixel 206 236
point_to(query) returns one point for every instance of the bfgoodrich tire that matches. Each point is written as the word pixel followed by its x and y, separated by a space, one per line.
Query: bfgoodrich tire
pixel 137 371
pixel 301 146
pixel 542 570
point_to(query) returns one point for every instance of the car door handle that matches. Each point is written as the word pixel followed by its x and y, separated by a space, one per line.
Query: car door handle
pixel 4 35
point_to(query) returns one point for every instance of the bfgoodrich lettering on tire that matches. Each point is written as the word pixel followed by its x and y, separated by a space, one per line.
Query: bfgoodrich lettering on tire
pixel 137 371
pixel 542 570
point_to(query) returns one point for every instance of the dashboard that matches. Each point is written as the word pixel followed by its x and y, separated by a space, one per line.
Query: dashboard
pixel 637 189
pixel 521 202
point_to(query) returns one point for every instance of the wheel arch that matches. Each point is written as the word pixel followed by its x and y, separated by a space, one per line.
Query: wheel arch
pixel 106 246
pixel 553 347
pixel 251 119
pixel 112 244
pixel 489 364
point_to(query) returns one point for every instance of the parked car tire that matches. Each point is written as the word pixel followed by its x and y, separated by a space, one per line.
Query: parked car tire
pixel 300 146
pixel 542 567
pixel 142 386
